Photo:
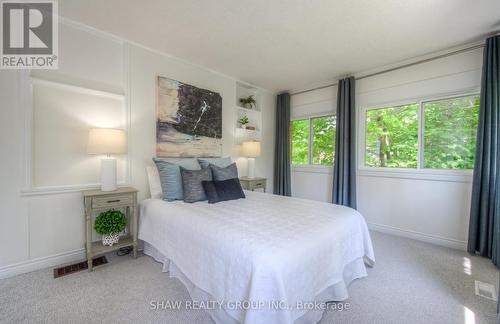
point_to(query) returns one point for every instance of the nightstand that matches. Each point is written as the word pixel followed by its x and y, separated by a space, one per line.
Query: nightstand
pixel 253 183
pixel 97 201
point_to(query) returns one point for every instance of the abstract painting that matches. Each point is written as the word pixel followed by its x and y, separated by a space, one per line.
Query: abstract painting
pixel 188 120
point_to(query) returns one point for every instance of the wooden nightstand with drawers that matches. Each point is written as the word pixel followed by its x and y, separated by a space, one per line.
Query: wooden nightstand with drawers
pixel 253 183
pixel 97 201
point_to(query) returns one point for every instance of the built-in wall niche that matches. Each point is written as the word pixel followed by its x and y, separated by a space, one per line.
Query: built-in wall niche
pixel 253 130
pixel 61 116
pixel 244 91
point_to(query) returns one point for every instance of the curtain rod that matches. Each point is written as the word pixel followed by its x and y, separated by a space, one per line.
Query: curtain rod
pixel 463 50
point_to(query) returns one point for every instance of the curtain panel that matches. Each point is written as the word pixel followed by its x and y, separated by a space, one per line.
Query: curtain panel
pixel 344 167
pixel 282 184
pixel 484 225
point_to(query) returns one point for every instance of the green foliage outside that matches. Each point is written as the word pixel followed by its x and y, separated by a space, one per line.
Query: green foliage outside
pixel 449 136
pixel 450 133
pixel 323 140
pixel 392 137
pixel 300 141
pixel 110 222
pixel 323 150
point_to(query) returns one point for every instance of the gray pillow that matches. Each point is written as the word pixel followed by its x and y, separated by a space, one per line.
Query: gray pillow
pixel 229 172
pixel 192 184
pixel 220 162
pixel 170 176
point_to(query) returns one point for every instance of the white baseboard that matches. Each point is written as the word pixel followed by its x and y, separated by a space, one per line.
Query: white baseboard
pixel 41 263
pixel 419 236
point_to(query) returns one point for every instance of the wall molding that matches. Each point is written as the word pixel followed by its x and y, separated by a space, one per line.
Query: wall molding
pixel 419 236
pixel 417 174
pixel 63 189
pixel 41 263
pixel 311 168
pixel 78 89
pixel 26 102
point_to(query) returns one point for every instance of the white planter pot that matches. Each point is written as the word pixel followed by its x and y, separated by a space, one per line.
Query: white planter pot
pixel 110 239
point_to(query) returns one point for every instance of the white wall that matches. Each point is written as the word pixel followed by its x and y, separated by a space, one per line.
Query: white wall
pixel 42 227
pixel 144 67
pixel 431 207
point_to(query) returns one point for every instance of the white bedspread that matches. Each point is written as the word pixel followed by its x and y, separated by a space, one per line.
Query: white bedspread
pixel 261 249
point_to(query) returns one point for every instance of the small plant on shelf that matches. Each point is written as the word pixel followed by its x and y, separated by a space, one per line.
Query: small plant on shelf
pixel 248 102
pixel 243 121
pixel 110 224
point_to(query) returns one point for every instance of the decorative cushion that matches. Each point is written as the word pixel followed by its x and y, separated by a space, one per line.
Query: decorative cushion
pixel 229 172
pixel 170 176
pixel 191 183
pixel 154 182
pixel 223 190
pixel 220 162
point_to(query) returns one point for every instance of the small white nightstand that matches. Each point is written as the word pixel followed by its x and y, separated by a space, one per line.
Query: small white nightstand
pixel 97 201
pixel 253 183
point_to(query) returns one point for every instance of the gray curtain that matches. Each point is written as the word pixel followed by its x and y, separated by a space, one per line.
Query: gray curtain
pixel 282 152
pixel 344 167
pixel 484 225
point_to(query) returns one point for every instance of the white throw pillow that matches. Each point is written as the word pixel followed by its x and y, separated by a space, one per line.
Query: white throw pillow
pixel 154 182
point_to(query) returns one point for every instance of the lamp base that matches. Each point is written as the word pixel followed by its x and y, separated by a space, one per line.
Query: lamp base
pixel 251 168
pixel 108 174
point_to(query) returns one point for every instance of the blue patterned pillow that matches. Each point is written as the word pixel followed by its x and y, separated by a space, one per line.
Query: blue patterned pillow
pixel 220 162
pixel 170 176
pixel 229 172
pixel 191 184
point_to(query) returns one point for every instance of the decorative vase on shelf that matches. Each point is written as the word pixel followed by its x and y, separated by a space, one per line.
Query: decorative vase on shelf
pixel 244 126
pixel 110 239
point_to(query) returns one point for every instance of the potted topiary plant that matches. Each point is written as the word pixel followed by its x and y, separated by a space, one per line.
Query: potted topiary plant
pixel 248 102
pixel 110 224
pixel 243 121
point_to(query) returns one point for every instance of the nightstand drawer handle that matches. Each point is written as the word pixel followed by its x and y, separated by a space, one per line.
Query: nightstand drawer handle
pixel 259 184
pixel 113 201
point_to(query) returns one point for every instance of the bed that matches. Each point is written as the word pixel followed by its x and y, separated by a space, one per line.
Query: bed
pixel 264 259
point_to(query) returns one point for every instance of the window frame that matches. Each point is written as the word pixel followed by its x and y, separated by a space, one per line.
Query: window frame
pixel 309 166
pixel 463 175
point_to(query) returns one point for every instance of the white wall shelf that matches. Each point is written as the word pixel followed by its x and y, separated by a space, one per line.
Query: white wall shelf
pixel 254 114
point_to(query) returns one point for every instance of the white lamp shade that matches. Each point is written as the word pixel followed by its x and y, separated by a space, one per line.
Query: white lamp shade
pixel 250 149
pixel 107 141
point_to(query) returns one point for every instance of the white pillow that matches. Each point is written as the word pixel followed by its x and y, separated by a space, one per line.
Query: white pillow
pixel 154 182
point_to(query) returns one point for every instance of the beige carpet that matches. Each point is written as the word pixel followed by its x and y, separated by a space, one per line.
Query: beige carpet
pixel 412 282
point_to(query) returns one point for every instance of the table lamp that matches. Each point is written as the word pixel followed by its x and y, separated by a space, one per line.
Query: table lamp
pixel 107 141
pixel 251 150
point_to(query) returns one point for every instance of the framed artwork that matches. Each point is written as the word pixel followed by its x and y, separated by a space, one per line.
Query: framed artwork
pixel 188 120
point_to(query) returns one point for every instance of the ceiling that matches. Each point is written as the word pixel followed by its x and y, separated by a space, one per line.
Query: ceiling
pixel 290 44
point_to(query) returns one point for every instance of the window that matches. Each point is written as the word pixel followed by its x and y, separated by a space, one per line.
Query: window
pixel 446 128
pixel 392 137
pixel 450 133
pixel 323 140
pixel 313 140
pixel 300 141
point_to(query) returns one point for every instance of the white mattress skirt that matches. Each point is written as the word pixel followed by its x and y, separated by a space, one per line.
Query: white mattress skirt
pixel 336 292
